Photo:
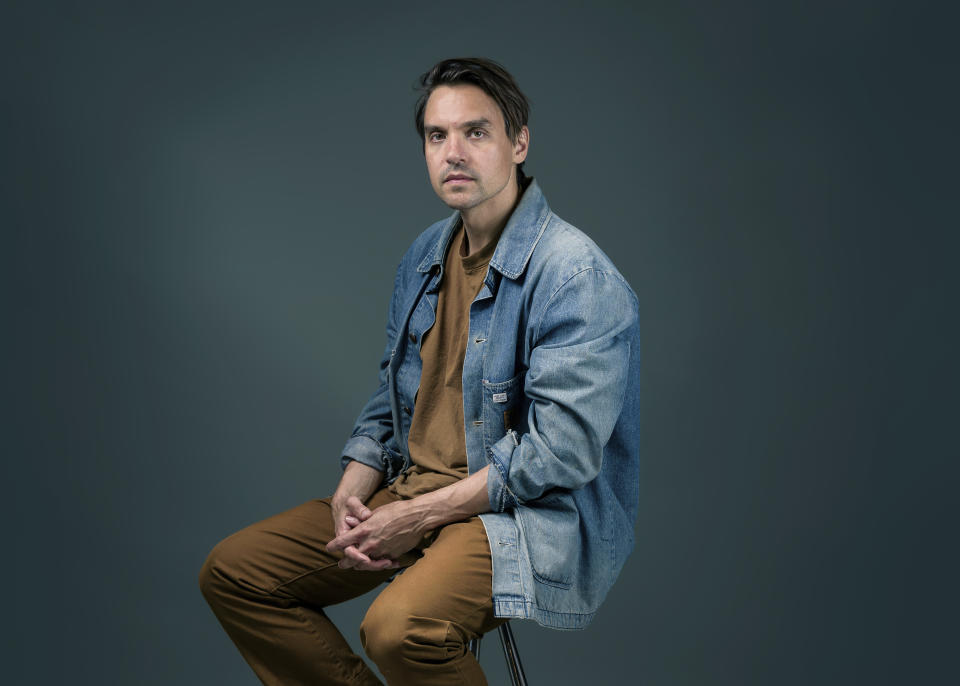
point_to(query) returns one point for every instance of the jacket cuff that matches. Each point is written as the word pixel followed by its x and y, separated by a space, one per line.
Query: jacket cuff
pixel 365 450
pixel 501 455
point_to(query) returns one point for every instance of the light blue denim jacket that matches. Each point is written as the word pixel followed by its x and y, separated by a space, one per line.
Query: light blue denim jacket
pixel 550 401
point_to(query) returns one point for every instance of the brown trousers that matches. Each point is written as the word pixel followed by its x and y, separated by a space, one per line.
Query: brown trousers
pixel 268 584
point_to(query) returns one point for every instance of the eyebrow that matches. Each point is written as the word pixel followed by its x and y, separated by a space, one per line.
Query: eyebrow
pixel 472 124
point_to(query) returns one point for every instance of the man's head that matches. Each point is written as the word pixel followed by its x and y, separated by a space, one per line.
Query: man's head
pixel 471 118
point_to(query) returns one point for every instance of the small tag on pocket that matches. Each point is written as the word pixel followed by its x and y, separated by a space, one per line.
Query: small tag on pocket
pixel 499 397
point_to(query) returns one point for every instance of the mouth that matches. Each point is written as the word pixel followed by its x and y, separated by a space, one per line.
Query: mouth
pixel 457 178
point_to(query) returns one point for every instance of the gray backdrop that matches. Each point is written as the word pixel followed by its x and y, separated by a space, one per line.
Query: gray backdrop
pixel 203 210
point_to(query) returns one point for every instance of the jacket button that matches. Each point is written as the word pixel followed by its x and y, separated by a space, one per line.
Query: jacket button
pixel 413 337
pixel 406 409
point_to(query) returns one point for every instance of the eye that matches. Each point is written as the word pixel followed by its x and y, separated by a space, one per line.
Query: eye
pixel 478 133
pixel 435 137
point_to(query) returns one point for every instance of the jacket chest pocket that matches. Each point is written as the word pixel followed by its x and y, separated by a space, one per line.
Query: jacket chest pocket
pixel 502 408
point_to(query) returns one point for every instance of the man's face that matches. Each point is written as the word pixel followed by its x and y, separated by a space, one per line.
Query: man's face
pixel 470 159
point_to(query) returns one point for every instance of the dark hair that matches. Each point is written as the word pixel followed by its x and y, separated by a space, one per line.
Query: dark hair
pixel 490 77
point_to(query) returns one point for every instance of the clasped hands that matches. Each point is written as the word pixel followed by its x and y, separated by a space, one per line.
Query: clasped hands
pixel 372 540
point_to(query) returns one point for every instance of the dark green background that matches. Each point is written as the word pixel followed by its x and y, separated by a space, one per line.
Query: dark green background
pixel 203 208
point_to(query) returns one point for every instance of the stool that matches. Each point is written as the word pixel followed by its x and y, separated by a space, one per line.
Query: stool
pixel 510 652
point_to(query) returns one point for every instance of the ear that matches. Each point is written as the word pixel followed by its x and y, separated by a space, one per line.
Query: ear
pixel 521 146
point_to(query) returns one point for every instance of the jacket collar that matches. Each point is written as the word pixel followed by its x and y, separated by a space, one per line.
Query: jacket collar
pixel 517 241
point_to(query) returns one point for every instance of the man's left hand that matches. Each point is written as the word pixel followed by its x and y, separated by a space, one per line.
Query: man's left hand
pixel 389 532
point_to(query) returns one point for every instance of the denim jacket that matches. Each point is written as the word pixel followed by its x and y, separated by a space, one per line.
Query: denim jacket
pixel 550 402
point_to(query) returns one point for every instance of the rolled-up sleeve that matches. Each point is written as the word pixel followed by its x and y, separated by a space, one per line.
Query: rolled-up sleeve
pixel 372 440
pixel 575 381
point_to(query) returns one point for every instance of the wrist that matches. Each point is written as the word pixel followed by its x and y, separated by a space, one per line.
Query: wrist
pixel 432 510
pixel 456 502
pixel 358 480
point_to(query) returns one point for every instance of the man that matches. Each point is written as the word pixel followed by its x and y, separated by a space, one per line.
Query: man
pixel 497 462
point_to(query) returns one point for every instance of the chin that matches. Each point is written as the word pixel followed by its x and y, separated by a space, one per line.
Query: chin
pixel 458 201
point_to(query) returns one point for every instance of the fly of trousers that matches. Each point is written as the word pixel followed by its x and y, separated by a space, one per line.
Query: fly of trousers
pixel 268 584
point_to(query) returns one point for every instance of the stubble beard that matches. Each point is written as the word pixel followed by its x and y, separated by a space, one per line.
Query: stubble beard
pixel 477 197
pixel 465 199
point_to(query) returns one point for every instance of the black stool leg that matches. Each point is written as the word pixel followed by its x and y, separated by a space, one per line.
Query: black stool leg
pixel 517 677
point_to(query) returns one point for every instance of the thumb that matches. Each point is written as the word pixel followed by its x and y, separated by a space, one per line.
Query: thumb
pixel 356 507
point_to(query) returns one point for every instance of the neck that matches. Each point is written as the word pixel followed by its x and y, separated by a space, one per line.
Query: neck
pixel 483 223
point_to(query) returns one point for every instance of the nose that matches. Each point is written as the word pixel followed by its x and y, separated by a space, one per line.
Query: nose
pixel 455 152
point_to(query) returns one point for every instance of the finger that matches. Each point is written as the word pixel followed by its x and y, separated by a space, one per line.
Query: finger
pixel 340 525
pixel 337 544
pixel 345 539
pixel 361 512
pixel 374 565
pixel 353 558
pixel 354 554
pixel 357 508
pixel 351 520
pixel 371 548
pixel 380 565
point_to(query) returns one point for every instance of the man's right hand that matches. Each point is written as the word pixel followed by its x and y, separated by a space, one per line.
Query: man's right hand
pixel 359 481
pixel 346 515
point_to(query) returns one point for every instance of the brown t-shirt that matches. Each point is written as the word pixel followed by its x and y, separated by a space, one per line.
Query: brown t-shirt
pixel 437 440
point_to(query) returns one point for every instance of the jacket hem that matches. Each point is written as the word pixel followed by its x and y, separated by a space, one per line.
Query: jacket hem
pixel 521 608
